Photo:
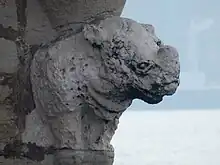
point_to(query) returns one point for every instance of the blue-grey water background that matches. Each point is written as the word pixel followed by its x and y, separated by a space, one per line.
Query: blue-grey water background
pixel 177 137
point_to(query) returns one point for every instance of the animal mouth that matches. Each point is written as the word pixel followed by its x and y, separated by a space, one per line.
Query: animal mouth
pixel 156 93
pixel 146 96
pixel 151 98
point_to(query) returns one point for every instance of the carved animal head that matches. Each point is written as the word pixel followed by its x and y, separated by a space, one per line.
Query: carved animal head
pixel 137 60
pixel 77 82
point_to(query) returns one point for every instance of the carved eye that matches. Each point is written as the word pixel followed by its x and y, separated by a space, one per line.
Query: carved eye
pixel 141 68
pixel 144 67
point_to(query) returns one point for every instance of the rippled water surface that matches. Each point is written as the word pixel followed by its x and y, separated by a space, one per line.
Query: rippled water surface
pixel 168 138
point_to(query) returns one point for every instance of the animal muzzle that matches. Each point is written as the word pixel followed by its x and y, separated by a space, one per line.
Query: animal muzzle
pixel 155 92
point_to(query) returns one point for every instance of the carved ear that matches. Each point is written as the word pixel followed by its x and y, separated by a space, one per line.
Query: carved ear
pixel 149 28
pixel 95 34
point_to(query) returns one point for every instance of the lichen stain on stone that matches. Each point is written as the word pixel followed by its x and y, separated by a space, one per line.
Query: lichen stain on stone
pixel 18 149
pixel 7 79
pixel 8 128
pixel 3 3
pixel 5 92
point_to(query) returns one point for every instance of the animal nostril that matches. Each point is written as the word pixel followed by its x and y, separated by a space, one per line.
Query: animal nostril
pixel 159 43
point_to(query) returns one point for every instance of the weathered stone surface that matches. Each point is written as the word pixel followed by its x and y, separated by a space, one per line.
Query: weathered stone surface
pixel 8 16
pixel 48 161
pixel 70 12
pixel 83 83
pixel 8 128
pixel 8 57
pixel 39 29
pixel 67 157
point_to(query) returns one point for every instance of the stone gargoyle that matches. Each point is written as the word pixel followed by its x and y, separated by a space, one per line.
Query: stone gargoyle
pixel 83 83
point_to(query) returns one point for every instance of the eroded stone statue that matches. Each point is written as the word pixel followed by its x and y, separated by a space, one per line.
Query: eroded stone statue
pixel 83 83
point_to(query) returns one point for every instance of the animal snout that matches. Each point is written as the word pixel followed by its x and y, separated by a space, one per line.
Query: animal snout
pixel 168 59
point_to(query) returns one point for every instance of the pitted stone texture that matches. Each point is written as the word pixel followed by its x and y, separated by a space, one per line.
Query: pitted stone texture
pixel 82 84
pixel 132 49
pixel 8 128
